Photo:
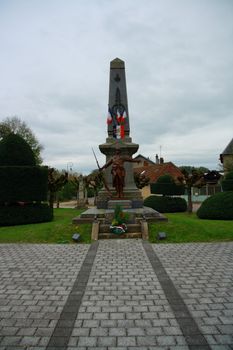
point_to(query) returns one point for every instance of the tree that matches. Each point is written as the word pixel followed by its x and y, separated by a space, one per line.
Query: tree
pixel 16 126
pixel 56 181
pixel 14 150
pixel 190 168
pixel 195 178
pixel 94 181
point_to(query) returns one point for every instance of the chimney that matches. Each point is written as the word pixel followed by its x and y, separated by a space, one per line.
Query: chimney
pixel 157 159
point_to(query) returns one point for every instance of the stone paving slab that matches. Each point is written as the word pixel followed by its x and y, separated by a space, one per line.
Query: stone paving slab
pixel 35 281
pixel 203 276
pixel 123 305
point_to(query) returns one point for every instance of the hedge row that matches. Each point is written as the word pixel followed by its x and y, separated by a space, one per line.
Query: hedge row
pixel 167 189
pixel 23 183
pixel 28 214
pixel 166 204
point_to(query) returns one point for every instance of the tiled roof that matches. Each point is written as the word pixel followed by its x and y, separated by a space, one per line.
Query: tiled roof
pixel 157 170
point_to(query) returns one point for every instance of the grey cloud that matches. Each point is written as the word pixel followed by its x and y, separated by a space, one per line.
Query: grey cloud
pixel 54 68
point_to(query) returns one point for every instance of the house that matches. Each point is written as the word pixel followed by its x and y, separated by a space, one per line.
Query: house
pixel 226 157
pixel 143 161
pixel 154 171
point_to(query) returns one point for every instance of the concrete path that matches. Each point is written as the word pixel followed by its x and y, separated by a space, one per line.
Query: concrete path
pixel 119 294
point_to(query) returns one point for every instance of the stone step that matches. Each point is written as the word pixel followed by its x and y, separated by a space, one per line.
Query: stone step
pixel 109 235
pixel 78 220
pixel 125 204
pixel 104 228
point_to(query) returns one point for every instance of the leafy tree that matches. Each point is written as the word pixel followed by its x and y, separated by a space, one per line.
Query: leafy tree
pixel 67 192
pixel 16 126
pixel 14 150
pixel 75 180
pixel 94 181
pixel 56 181
pixel 189 169
pixel 141 180
pixel 195 178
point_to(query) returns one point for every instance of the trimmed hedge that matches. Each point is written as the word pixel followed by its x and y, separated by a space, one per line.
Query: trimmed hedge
pixel 217 207
pixel 14 150
pixel 23 183
pixel 166 185
pixel 167 189
pixel 227 183
pixel 166 204
pixel 27 214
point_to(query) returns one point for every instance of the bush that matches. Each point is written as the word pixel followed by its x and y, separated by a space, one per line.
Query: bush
pixel 14 150
pixel 166 204
pixel 166 185
pixel 227 183
pixel 217 207
pixel 23 183
pixel 25 214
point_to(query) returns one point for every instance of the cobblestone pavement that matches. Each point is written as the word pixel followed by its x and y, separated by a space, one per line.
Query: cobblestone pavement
pixel 48 302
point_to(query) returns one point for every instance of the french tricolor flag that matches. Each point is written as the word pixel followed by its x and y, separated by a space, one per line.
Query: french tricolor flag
pixel 118 116
pixel 109 118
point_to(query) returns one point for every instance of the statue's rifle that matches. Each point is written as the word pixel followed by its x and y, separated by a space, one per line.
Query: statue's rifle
pixel 104 180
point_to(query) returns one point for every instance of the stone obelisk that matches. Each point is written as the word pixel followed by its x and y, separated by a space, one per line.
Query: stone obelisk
pixel 119 137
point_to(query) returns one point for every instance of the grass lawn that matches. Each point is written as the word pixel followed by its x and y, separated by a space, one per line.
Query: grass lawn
pixel 60 230
pixel 184 227
pixel 181 227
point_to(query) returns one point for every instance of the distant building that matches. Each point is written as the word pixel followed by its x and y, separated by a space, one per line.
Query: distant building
pixel 154 170
pixel 226 157
pixel 143 161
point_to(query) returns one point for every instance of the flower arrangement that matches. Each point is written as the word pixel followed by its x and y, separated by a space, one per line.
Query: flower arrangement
pixel 118 225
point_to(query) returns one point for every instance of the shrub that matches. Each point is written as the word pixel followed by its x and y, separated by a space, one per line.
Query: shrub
pixel 14 150
pixel 166 204
pixel 166 185
pixel 23 183
pixel 25 214
pixel 217 207
pixel 227 183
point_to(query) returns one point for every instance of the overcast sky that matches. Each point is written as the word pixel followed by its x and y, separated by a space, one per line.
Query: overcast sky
pixel 54 75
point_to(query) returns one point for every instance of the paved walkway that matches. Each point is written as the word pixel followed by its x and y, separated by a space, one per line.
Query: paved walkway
pixel 119 294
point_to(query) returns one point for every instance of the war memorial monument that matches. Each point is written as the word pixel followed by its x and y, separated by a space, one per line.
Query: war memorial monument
pixel 119 187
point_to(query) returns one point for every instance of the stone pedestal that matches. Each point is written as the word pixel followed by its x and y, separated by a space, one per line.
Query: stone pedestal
pixel 131 192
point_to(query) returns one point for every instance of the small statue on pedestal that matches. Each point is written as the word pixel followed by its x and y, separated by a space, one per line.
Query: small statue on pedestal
pixel 118 171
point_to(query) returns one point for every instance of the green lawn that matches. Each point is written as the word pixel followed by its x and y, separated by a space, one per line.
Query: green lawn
pixel 181 227
pixel 184 227
pixel 60 230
